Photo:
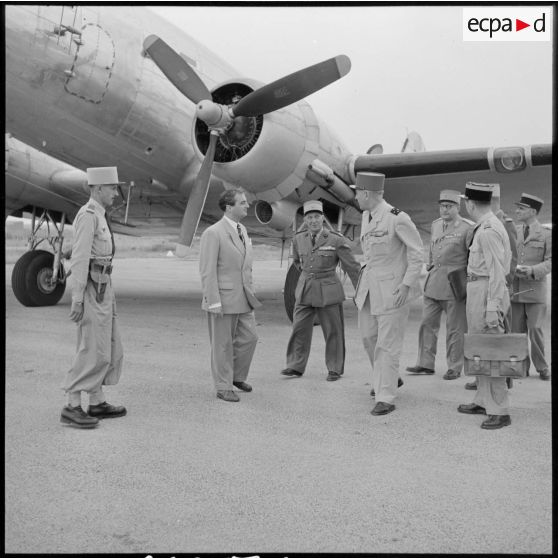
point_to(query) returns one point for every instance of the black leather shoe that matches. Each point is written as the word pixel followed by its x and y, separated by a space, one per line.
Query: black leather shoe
pixel 228 395
pixel 399 384
pixel 451 375
pixel 291 372
pixel 382 408
pixel 243 386
pixel 496 421
pixel 545 375
pixel 106 410
pixel 419 370
pixel 332 376
pixel 471 385
pixel 77 417
pixel 471 409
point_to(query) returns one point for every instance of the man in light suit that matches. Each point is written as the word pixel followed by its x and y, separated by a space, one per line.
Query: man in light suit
pixel 530 283
pixel 228 296
pixel 389 281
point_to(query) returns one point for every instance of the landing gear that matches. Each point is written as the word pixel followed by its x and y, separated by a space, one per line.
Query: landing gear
pixel 38 277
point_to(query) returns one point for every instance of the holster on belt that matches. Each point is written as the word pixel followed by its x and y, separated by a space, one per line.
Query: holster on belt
pixel 99 274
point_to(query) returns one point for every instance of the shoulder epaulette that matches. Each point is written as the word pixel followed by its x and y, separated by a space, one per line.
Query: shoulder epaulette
pixel 301 232
pixel 395 211
pixel 90 209
pixel 436 220
pixel 336 233
pixel 468 221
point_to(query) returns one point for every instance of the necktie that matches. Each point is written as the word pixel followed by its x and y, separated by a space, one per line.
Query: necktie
pixel 444 227
pixel 107 218
pixel 526 232
pixel 313 238
pixel 241 236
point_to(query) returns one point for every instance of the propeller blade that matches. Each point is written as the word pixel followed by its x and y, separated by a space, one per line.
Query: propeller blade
pixel 177 70
pixel 196 201
pixel 292 88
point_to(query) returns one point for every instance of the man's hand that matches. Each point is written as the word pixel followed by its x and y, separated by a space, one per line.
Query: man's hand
pixel 523 270
pixel 76 311
pixel 216 310
pixel 400 295
pixel 491 319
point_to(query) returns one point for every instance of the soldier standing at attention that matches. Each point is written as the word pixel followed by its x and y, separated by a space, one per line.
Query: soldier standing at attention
pixel 448 252
pixel 319 290
pixel 99 355
pixel 389 281
pixel 512 236
pixel 487 298
pixel 534 264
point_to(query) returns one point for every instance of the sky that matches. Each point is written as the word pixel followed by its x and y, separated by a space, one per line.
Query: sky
pixel 411 71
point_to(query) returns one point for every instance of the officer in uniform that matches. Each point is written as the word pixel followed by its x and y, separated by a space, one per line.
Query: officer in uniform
pixel 487 297
pixel 448 252
pixel 99 355
pixel 512 236
pixel 393 256
pixel 529 291
pixel 316 253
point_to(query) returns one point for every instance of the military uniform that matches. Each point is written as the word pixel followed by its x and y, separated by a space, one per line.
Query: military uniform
pixel 448 251
pixel 99 349
pixel 393 254
pixel 488 264
pixel 529 308
pixel 319 290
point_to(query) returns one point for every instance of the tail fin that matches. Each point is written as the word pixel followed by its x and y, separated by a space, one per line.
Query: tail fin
pixel 413 144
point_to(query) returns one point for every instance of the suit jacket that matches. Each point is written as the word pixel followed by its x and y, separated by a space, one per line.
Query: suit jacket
pixel 226 269
pixel 393 254
pixel 448 252
pixel 536 252
pixel 318 284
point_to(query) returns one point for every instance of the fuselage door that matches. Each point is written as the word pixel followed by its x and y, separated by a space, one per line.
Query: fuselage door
pixel 93 63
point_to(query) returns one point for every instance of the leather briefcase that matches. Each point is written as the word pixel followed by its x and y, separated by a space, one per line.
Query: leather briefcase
pixel 501 355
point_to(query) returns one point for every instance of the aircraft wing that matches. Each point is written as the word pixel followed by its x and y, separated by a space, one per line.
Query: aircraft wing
pixel 414 180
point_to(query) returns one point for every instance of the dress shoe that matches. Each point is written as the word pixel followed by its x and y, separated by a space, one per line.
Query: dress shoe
pixel 419 370
pixel 471 409
pixel 496 421
pixel 332 376
pixel 451 375
pixel 77 417
pixel 545 375
pixel 243 386
pixel 509 382
pixel 291 372
pixel 399 384
pixel 382 408
pixel 471 385
pixel 106 410
pixel 228 395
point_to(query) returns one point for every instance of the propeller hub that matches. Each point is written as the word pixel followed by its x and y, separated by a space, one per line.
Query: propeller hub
pixel 214 115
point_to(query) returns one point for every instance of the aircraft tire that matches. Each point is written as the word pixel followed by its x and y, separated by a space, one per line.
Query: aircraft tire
pixel 289 290
pixel 289 293
pixel 29 279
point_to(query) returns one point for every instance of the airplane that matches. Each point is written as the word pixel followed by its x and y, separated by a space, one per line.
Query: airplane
pixel 98 85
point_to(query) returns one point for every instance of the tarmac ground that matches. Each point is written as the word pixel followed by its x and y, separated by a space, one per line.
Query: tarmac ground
pixel 299 465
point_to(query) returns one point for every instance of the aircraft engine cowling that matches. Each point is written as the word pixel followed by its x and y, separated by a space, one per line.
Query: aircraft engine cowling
pixel 278 215
pixel 268 156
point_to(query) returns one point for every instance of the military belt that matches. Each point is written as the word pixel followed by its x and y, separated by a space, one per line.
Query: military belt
pixel 319 274
pixel 476 278
pixel 101 266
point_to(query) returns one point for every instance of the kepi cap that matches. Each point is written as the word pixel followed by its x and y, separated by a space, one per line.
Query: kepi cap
pixel 312 205
pixel 528 200
pixel 478 191
pixel 371 181
pixel 450 196
pixel 102 176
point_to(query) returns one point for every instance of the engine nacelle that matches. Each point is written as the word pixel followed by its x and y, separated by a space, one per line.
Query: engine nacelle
pixel 41 180
pixel 278 215
pixel 269 155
